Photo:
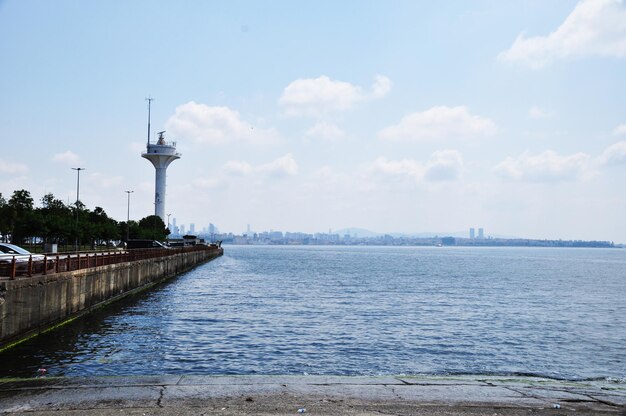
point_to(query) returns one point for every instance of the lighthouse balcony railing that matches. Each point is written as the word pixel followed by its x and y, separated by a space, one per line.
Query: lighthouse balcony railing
pixel 163 143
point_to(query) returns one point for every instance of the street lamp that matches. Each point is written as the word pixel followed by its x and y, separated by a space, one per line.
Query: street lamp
pixel 77 201
pixel 128 215
pixel 78 183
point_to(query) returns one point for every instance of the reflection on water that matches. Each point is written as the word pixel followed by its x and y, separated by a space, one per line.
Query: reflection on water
pixel 358 310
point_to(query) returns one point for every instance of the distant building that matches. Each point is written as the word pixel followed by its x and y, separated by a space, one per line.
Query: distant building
pixel 481 233
pixel 192 228
pixel 182 229
pixel 472 234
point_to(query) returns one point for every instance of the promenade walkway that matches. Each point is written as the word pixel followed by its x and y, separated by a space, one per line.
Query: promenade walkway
pixel 314 395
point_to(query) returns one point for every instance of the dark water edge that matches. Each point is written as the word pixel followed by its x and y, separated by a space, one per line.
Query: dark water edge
pixel 252 313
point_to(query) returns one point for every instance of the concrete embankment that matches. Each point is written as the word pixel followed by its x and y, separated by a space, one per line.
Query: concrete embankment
pixel 30 305
pixel 316 395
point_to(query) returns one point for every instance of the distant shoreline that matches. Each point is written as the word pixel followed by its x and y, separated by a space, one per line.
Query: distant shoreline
pixel 421 242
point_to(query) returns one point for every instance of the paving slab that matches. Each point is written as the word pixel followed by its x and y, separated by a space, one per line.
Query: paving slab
pixel 445 381
pixel 286 379
pixel 331 395
pixel 199 393
pixel 81 382
pixel 80 398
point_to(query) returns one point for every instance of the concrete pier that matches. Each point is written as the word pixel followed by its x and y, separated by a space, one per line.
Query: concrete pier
pixel 316 395
pixel 31 305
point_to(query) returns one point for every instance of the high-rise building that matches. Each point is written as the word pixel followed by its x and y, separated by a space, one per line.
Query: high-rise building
pixel 481 233
pixel 192 228
pixel 182 229
pixel 472 233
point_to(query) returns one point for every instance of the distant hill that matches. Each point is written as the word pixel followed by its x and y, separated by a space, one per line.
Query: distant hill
pixel 364 233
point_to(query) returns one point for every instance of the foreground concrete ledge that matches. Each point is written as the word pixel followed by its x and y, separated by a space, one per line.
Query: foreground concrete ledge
pixel 194 394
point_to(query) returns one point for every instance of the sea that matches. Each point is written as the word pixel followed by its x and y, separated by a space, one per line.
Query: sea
pixel 358 310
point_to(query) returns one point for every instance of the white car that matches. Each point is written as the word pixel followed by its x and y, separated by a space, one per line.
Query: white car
pixel 22 257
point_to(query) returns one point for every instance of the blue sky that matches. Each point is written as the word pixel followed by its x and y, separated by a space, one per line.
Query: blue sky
pixel 304 116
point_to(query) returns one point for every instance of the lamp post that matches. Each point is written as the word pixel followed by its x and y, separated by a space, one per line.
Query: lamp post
pixel 77 201
pixel 78 183
pixel 128 215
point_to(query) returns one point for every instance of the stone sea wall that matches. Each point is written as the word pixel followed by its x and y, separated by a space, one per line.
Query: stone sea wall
pixel 34 304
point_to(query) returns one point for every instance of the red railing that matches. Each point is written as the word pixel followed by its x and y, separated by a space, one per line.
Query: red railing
pixel 56 263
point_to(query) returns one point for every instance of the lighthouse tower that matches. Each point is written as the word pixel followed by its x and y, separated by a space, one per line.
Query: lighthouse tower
pixel 161 154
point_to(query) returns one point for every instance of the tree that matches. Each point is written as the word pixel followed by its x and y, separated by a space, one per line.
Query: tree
pixel 123 229
pixel 102 228
pixel 5 223
pixel 152 227
pixel 21 219
pixel 56 218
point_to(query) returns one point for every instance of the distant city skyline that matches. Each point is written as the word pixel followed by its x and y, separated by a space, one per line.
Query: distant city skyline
pixel 390 116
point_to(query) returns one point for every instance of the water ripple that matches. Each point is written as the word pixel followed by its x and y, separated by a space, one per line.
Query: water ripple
pixel 359 311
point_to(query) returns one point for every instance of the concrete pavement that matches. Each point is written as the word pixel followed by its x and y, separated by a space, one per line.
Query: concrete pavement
pixel 315 395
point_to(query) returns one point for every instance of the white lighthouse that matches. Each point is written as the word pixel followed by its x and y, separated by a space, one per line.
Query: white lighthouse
pixel 161 154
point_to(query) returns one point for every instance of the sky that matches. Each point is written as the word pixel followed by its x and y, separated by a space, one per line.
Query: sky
pixel 393 116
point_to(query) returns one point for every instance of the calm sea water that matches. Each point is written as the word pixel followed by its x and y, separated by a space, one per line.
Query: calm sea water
pixel 359 311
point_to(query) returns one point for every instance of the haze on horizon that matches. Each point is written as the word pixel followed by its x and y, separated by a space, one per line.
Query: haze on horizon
pixel 389 116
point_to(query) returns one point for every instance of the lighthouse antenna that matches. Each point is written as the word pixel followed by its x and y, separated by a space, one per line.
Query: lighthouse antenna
pixel 149 100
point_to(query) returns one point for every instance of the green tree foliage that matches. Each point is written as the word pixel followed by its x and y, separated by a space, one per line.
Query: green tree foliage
pixel 5 223
pixel 152 227
pixel 56 222
pixel 133 232
pixel 100 227
pixel 22 221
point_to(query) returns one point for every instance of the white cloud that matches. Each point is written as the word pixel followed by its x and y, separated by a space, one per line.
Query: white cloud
pixel 318 96
pixel 215 125
pixel 444 165
pixel 68 157
pixel 381 86
pixel 12 168
pixel 538 113
pixel 399 168
pixel 614 154
pixel 439 123
pixel 237 168
pixel 547 166
pixel 620 130
pixel 326 131
pixel 593 28
pixel 283 166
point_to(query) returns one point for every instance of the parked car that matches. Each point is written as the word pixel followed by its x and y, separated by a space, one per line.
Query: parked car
pixel 22 257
